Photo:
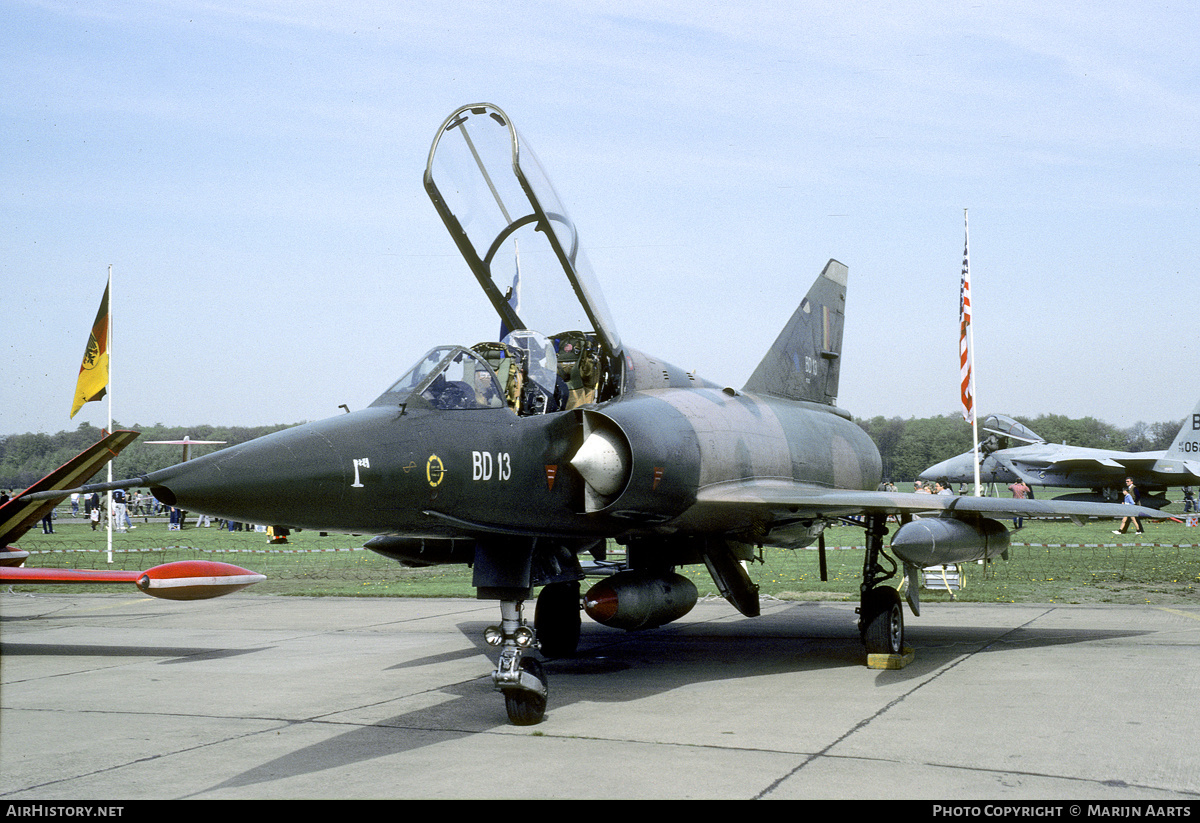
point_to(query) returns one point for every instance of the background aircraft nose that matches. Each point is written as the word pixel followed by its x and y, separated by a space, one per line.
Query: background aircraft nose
pixel 946 470
pixel 933 472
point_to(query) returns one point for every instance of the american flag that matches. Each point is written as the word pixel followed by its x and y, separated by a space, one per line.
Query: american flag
pixel 964 323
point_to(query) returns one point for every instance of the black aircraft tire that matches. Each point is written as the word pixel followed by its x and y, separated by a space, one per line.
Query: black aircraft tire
pixel 883 621
pixel 526 708
pixel 556 619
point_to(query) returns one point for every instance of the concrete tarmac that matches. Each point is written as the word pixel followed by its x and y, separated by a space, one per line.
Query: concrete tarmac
pixel 122 697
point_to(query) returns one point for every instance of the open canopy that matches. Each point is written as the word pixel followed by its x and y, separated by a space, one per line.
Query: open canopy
pixel 512 230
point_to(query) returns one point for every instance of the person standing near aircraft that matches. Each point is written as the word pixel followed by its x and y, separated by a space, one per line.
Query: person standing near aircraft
pixel 1132 495
pixel 1020 491
pixel 120 511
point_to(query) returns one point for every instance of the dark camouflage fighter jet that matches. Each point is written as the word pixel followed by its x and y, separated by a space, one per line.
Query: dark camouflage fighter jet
pixel 529 456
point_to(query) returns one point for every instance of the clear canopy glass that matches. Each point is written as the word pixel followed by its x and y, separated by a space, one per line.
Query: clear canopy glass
pixel 512 229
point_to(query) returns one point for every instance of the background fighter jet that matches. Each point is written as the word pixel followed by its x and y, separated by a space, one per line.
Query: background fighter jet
pixel 1013 451
pixel 526 457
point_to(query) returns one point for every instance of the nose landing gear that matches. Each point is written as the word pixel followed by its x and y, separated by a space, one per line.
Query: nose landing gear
pixel 521 679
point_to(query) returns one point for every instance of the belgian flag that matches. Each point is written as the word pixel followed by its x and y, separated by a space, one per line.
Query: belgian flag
pixel 93 373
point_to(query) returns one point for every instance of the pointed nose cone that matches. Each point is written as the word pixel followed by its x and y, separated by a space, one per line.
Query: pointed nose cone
pixel 934 472
pixel 956 469
pixel 274 480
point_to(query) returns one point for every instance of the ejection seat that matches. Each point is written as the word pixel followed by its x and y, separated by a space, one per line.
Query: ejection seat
pixel 578 366
pixel 508 364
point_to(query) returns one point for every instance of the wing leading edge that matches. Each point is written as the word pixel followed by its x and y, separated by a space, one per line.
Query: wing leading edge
pixel 789 500
pixel 934 529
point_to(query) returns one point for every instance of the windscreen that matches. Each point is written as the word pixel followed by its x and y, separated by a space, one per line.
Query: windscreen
pixel 448 377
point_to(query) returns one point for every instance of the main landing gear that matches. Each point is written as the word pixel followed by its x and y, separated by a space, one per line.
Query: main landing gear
pixel 522 678
pixel 881 616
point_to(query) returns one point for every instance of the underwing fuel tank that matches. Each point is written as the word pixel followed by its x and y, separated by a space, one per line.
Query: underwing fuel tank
pixel 931 541
pixel 640 600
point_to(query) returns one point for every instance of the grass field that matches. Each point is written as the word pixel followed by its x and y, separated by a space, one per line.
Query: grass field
pixel 1051 562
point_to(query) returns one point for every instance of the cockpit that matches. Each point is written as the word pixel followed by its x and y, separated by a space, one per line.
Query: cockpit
pixel 524 251
pixel 1004 433
pixel 448 377
pixel 525 372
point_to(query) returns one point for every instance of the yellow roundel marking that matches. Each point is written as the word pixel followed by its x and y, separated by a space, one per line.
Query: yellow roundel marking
pixel 434 470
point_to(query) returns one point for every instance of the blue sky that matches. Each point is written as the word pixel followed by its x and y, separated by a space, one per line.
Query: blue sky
pixel 252 172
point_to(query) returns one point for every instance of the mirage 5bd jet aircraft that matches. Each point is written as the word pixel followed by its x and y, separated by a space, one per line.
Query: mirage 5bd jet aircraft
pixel 520 456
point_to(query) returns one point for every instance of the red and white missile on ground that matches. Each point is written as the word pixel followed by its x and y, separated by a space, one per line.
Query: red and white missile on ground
pixel 195 580
pixel 181 580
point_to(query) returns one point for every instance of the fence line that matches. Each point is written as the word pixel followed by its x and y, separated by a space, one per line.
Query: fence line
pixel 1082 563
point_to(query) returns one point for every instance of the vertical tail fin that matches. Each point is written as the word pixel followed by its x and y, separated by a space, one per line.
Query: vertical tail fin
pixel 1187 442
pixel 804 362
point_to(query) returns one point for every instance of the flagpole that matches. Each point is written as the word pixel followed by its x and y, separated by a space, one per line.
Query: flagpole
pixel 93 381
pixel 971 356
pixel 110 414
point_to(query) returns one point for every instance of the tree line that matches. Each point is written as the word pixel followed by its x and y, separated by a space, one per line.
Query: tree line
pixel 907 447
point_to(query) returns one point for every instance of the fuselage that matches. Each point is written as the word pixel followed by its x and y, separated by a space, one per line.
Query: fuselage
pixel 412 470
